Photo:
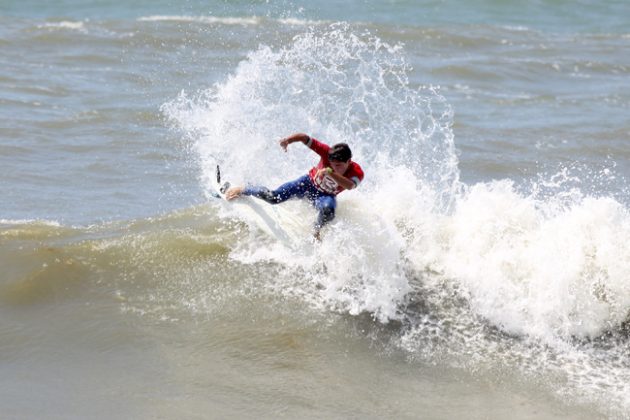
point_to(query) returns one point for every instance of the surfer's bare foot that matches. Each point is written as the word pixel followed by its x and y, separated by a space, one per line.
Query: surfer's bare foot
pixel 233 192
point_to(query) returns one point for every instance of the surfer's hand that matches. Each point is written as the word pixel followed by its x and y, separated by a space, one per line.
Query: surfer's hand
pixel 323 171
pixel 284 143
pixel 233 192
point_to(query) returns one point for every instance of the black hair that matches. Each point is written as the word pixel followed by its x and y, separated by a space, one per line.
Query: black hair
pixel 340 152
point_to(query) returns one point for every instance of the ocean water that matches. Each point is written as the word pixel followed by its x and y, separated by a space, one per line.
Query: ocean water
pixel 481 270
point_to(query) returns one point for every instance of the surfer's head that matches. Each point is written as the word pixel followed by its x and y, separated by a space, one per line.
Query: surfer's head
pixel 340 152
pixel 339 157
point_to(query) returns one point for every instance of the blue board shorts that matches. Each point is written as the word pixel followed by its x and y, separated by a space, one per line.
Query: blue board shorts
pixel 302 187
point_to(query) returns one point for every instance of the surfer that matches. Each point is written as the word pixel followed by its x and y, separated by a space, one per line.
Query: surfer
pixel 334 173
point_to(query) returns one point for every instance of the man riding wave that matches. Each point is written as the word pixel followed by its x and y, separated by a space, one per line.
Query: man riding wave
pixel 335 172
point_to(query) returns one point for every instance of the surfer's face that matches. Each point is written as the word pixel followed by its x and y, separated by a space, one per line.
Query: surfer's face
pixel 339 167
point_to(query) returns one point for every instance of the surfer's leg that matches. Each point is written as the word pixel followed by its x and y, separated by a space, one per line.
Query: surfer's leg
pixel 261 192
pixel 285 191
pixel 326 205
pixel 296 188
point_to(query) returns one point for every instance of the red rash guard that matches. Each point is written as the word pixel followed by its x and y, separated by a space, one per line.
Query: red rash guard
pixel 326 183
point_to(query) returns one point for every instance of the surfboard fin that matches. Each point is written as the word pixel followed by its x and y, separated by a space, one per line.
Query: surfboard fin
pixel 225 186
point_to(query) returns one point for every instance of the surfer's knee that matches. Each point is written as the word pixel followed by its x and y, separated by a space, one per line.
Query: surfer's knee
pixel 326 207
pixel 327 203
pixel 270 197
pixel 328 212
pixel 326 215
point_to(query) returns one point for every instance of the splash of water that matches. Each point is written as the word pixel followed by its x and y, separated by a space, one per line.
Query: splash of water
pixel 337 86
pixel 548 263
pixel 518 255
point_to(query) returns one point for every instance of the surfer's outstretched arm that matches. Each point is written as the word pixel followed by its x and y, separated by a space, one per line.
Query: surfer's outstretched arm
pixel 301 137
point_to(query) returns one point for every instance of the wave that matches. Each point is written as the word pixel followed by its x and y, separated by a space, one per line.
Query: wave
pixel 355 89
pixel 231 20
pixel 37 255
pixel 78 26
pixel 251 20
pixel 500 271
pixel 199 261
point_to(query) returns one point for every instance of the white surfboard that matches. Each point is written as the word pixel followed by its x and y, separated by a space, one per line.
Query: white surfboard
pixel 275 220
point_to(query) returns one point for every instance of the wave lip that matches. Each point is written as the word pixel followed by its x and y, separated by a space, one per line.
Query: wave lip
pixel 539 268
pixel 78 26
pixel 252 20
